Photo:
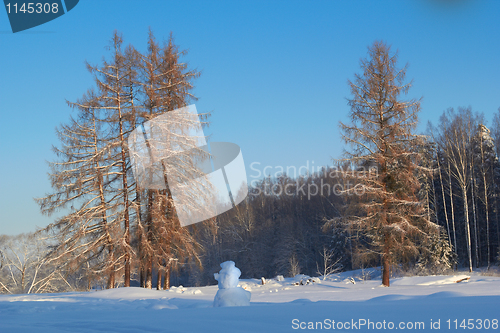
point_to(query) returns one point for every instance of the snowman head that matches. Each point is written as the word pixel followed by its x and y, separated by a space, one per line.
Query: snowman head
pixel 228 276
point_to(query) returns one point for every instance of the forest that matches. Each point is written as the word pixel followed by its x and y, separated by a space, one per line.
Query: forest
pixel 408 202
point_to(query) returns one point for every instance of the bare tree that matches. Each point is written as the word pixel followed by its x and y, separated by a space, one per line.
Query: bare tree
pixel 474 215
pixel 25 268
pixel 165 85
pixel 454 137
pixel 495 133
pixel 114 81
pixel 450 187
pixel 487 162
pixel 81 178
pixel 440 172
pixel 483 136
pixel 112 215
pixel 330 266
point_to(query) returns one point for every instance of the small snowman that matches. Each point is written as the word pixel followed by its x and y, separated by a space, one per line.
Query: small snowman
pixel 229 294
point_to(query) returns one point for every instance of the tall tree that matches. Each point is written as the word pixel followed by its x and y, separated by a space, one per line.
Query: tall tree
pixel 165 85
pixel 381 135
pixel 454 137
pixel 114 216
pixel 487 166
pixel 495 131
pixel 79 180
pixel 495 174
pixel 115 81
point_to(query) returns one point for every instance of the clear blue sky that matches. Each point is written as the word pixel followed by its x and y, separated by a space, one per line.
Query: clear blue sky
pixel 274 73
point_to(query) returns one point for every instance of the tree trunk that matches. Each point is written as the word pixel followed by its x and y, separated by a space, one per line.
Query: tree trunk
pixel 386 269
pixel 495 195
pixel 428 205
pixel 149 234
pixel 167 278
pixel 149 274
pixel 159 278
pixel 444 202
pixel 140 254
pixel 486 205
pixel 111 276
pixel 476 244
pixel 434 199
pixel 126 218
pixel 103 205
pixel 467 226
pixel 452 213
pixel 487 218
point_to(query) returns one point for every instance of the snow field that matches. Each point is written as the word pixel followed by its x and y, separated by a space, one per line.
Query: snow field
pixel 277 306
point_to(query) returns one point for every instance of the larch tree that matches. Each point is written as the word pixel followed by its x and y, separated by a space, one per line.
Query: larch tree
pixel 114 222
pixel 165 85
pixel 381 136
pixel 79 179
pixel 115 82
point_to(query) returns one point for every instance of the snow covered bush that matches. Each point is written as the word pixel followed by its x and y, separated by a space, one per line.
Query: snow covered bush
pixel 437 257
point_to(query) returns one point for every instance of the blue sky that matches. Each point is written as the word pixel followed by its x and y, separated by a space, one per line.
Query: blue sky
pixel 274 73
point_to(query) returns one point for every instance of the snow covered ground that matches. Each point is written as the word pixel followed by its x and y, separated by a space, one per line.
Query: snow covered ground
pixel 411 303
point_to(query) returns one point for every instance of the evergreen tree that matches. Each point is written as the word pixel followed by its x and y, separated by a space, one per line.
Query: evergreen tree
pixel 438 256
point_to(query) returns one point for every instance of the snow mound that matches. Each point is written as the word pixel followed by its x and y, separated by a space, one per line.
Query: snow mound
pixel 303 280
pixel 130 293
pixel 430 280
pixel 183 290
pixel 447 280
